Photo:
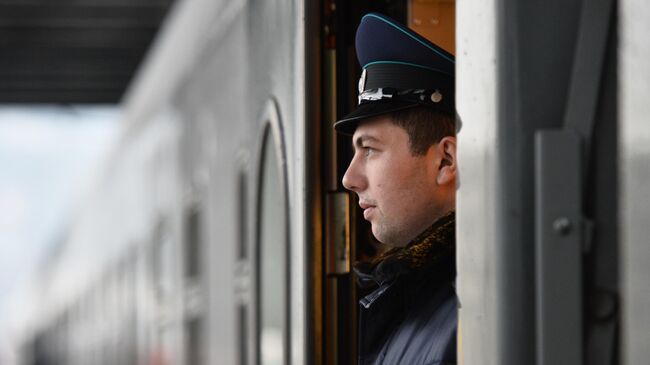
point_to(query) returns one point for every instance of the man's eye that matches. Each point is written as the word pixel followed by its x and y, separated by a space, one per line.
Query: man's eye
pixel 367 150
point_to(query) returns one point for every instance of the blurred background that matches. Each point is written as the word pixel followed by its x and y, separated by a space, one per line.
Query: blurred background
pixel 64 67
pixel 48 156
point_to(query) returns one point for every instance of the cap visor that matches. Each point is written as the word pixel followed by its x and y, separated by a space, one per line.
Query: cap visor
pixel 349 123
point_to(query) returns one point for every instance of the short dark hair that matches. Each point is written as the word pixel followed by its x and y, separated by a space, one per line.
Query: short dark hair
pixel 425 126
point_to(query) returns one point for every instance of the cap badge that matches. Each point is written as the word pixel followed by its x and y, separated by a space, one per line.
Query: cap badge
pixel 436 96
pixel 362 81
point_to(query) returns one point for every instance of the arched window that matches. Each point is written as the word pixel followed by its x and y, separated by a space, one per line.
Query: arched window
pixel 272 251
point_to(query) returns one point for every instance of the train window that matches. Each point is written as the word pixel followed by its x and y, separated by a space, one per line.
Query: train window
pixel 193 298
pixel 242 321
pixel 193 243
pixel 272 257
pixel 242 216
pixel 194 351
pixel 242 273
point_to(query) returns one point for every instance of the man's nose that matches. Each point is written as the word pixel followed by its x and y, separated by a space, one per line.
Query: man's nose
pixel 353 179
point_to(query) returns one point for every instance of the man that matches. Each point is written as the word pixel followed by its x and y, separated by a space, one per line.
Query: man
pixel 404 173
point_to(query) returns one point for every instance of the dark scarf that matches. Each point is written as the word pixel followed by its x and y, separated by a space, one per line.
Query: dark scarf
pixel 431 251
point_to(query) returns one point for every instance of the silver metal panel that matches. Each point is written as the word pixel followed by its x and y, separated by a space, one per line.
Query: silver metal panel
pixel 558 246
pixel 507 90
pixel 479 248
pixel 634 170
pixel 251 54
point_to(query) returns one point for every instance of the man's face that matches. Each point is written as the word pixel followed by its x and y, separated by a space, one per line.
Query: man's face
pixel 399 192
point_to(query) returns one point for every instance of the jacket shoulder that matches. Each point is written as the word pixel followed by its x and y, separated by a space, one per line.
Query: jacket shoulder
pixel 427 335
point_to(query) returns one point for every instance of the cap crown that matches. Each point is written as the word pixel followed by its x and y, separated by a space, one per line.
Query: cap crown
pixel 380 39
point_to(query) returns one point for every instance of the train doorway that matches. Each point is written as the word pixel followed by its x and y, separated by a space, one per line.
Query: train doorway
pixel 342 236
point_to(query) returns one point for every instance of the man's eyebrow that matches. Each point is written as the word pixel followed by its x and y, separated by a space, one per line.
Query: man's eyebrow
pixel 358 142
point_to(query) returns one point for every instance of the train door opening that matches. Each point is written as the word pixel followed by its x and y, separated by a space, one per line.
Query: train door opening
pixel 345 237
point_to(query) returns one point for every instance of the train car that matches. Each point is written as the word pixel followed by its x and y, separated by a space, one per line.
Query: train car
pixel 219 232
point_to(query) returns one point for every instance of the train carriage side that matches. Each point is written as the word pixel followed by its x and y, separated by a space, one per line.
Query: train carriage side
pixel 207 223
pixel 239 97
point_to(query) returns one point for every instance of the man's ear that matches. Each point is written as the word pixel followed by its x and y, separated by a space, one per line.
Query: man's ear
pixel 446 150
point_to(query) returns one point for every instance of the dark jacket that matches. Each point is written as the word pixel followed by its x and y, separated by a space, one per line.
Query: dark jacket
pixel 411 317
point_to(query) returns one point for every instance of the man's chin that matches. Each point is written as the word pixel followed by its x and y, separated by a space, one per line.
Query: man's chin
pixel 394 240
pixel 380 235
pixel 375 234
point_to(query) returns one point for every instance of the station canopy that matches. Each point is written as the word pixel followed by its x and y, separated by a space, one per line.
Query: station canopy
pixel 73 51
